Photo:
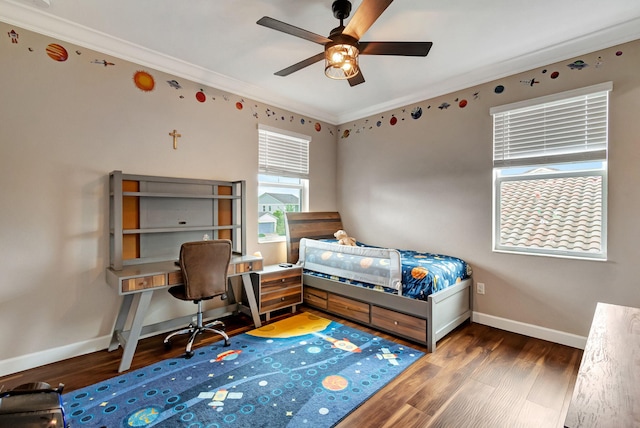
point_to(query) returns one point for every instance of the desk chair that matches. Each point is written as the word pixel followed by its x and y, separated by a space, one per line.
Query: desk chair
pixel 204 267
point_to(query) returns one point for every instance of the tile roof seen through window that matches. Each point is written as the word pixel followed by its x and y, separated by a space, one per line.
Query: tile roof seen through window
pixel 559 213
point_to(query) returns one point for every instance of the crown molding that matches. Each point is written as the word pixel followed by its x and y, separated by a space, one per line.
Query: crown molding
pixel 38 20
pixel 592 42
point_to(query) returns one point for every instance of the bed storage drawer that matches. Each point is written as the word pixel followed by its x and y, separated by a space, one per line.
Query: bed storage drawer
pixel 405 325
pixel 349 308
pixel 315 297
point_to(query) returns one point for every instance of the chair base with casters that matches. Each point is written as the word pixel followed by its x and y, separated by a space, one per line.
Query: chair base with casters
pixel 198 328
pixel 204 266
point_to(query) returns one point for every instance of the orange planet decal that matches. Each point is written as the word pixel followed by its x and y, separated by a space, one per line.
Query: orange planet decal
pixel 239 105
pixel 462 103
pixel 200 96
pixel 318 126
pixel 144 81
pixel 419 272
pixel 57 52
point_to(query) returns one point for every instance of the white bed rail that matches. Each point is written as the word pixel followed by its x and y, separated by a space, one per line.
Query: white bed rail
pixel 378 266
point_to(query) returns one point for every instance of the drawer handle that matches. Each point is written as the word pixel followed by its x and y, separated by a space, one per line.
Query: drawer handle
pixel 282 299
pixel 396 322
pixel 282 280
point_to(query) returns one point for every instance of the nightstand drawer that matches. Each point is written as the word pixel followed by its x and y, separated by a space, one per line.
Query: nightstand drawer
pixel 273 281
pixel 280 299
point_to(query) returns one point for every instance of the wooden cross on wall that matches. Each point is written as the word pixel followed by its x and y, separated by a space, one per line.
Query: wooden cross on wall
pixel 175 136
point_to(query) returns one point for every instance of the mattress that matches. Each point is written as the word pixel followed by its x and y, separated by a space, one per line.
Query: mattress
pixel 421 273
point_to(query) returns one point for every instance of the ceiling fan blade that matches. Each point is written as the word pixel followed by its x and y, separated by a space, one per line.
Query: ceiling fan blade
pixel 274 24
pixel 365 16
pixel 299 66
pixel 395 48
pixel 357 79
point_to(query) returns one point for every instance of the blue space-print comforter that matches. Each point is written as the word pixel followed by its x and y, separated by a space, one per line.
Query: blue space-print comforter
pixel 422 273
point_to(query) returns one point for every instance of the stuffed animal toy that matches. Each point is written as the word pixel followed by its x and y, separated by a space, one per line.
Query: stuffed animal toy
pixel 344 239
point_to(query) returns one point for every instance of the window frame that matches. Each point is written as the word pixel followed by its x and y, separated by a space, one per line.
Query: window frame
pixel 300 170
pixel 558 160
pixel 497 218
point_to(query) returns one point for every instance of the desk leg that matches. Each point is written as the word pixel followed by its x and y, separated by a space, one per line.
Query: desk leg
pixel 141 304
pixel 251 297
pixel 125 306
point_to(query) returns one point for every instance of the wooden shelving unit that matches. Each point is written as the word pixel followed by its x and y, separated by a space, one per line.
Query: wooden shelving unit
pixel 150 216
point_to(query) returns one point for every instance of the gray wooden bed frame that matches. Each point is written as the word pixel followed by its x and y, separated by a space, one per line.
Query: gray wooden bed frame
pixel 424 322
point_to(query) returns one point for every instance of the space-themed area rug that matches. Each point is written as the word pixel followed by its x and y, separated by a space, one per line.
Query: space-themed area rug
pixel 302 371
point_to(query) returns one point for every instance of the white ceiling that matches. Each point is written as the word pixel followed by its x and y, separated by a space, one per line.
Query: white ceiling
pixel 218 43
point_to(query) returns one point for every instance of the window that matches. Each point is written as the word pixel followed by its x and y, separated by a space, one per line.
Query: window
pixel 550 174
pixel 282 179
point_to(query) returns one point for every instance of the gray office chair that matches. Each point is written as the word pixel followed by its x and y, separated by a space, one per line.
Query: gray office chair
pixel 204 267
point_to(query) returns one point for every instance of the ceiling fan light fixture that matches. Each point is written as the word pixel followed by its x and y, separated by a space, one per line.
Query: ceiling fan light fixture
pixel 341 61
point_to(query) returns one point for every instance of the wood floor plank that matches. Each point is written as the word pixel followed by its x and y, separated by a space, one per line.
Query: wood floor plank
pixel 498 363
pixel 533 415
pixel 551 385
pixel 462 408
pixel 406 417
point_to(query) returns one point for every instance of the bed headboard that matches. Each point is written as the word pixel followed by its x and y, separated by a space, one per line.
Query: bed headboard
pixel 316 225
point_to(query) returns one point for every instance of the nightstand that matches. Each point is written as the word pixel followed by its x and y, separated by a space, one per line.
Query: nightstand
pixel 277 287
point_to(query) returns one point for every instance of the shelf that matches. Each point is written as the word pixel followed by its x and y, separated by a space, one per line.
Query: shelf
pixel 178 195
pixel 177 229
pixel 150 216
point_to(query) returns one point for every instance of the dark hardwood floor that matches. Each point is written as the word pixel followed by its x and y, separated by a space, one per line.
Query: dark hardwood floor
pixel 478 377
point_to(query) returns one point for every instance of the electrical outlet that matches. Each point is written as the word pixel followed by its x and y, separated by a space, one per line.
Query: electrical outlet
pixel 480 287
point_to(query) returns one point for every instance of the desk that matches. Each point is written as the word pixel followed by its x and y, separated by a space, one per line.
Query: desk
pixel 607 391
pixel 137 283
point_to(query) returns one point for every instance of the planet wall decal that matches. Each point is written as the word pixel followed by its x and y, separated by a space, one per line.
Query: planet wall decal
pixel 239 105
pixel 144 81
pixel 317 126
pixel 57 52
pixel 200 96
pixel 499 89
pixel 462 103
pixel 416 113
pixel 393 120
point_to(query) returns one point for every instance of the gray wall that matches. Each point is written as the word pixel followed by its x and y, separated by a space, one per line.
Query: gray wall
pixel 64 127
pixel 427 184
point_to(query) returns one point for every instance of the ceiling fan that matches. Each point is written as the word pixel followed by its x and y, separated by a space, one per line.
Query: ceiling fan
pixel 343 46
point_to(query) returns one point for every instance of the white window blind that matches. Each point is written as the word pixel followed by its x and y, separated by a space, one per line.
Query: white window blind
pixel 283 153
pixel 567 127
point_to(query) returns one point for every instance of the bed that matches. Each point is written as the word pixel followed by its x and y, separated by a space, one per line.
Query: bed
pixel 380 287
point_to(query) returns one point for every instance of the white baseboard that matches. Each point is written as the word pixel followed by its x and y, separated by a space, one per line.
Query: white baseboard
pixel 36 359
pixel 531 330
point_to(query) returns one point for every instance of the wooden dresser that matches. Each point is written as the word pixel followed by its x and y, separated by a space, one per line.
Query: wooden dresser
pixel 607 391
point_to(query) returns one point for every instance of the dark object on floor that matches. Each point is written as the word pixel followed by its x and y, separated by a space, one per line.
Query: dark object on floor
pixel 34 405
